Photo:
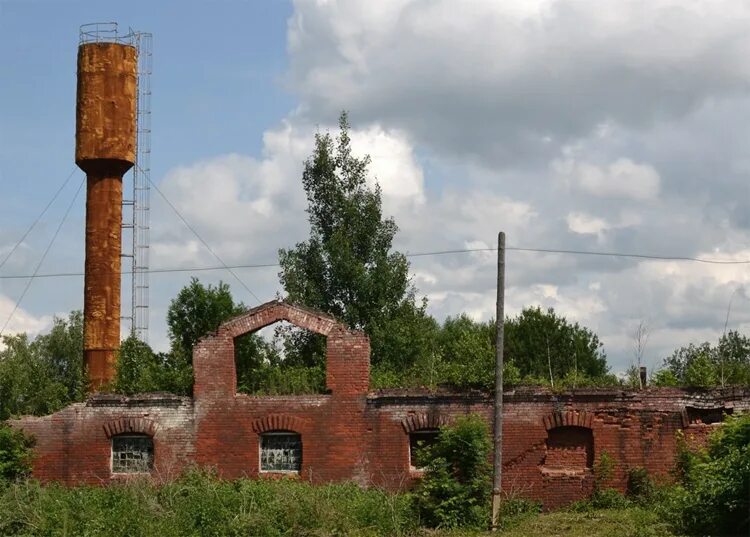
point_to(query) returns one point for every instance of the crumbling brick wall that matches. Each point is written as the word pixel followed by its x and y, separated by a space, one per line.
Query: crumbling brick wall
pixel 551 441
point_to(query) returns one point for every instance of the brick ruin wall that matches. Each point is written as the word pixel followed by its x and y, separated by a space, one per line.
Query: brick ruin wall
pixel 551 441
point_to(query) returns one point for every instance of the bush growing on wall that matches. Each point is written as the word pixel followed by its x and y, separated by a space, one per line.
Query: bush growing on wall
pixel 15 454
pixel 713 496
pixel 456 487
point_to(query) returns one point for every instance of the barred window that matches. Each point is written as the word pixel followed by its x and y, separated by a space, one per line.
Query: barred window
pixel 132 454
pixel 280 452
pixel 421 439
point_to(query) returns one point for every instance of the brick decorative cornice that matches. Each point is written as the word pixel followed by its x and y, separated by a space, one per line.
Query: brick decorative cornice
pixel 129 425
pixel 418 422
pixel 569 418
pixel 277 422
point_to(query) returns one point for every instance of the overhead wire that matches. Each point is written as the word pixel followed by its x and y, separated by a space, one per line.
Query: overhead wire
pixel 44 255
pixel 416 254
pixel 656 257
pixel 219 259
pixel 38 218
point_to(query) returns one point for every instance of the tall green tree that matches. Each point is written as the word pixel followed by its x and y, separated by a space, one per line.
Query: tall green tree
pixel 467 351
pixel 347 267
pixel 28 383
pixel 198 310
pixel 42 375
pixel 544 345
pixel 62 348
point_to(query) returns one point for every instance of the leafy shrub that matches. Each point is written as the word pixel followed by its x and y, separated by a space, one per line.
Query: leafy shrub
pixel 608 499
pixel 602 497
pixel 15 453
pixel 603 469
pixel 663 378
pixel 456 487
pixel 284 380
pixel 640 487
pixel 713 496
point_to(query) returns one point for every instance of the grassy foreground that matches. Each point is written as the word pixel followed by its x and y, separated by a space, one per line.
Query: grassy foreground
pixel 629 522
pixel 200 505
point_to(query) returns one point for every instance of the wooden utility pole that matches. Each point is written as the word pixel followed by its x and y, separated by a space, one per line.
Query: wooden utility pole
pixel 499 343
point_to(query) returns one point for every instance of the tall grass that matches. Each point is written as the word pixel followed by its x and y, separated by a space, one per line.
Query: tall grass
pixel 199 504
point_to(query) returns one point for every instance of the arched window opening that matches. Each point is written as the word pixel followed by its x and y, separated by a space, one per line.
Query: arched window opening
pixel 267 361
pixel 418 440
pixel 280 451
pixel 569 449
pixel 132 454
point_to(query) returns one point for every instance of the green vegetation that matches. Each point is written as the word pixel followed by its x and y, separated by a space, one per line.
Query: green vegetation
pixel 456 486
pixel 347 267
pixel 629 522
pixel 713 491
pixel 199 504
pixel 41 376
pixel 706 365
pixel 15 454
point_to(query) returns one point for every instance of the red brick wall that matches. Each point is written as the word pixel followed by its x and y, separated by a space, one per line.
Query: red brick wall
pixel 551 441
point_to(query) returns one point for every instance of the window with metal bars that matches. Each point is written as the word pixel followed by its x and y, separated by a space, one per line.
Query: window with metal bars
pixel 280 451
pixel 132 454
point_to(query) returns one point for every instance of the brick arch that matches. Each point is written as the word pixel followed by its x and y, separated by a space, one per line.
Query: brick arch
pixel 275 311
pixel 130 425
pixel 277 422
pixel 568 418
pixel 418 422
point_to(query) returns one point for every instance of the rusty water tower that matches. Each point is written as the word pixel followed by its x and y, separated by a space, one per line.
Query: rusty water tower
pixel 106 113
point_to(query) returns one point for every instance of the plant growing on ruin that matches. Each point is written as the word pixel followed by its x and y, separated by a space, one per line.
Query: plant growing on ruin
pixel 712 495
pixel 15 454
pixel 456 486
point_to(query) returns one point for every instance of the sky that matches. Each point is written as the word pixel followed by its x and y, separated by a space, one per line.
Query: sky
pixel 590 125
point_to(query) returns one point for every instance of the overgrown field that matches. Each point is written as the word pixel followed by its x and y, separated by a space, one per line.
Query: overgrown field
pixel 200 505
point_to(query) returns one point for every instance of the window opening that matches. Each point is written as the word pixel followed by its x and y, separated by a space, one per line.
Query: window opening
pixel 418 440
pixel 569 449
pixel 280 452
pixel 132 454
pixel 706 416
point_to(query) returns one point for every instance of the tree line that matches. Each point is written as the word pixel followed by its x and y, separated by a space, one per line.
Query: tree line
pixel 349 269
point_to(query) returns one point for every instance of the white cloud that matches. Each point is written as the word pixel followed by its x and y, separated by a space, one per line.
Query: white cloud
pixel 586 224
pixel 622 178
pixel 502 79
pixel 393 165
pixel 22 320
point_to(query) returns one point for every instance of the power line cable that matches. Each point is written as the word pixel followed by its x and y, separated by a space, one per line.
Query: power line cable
pixel 38 218
pixel 219 259
pixel 417 254
pixel 44 255
pixel 591 252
